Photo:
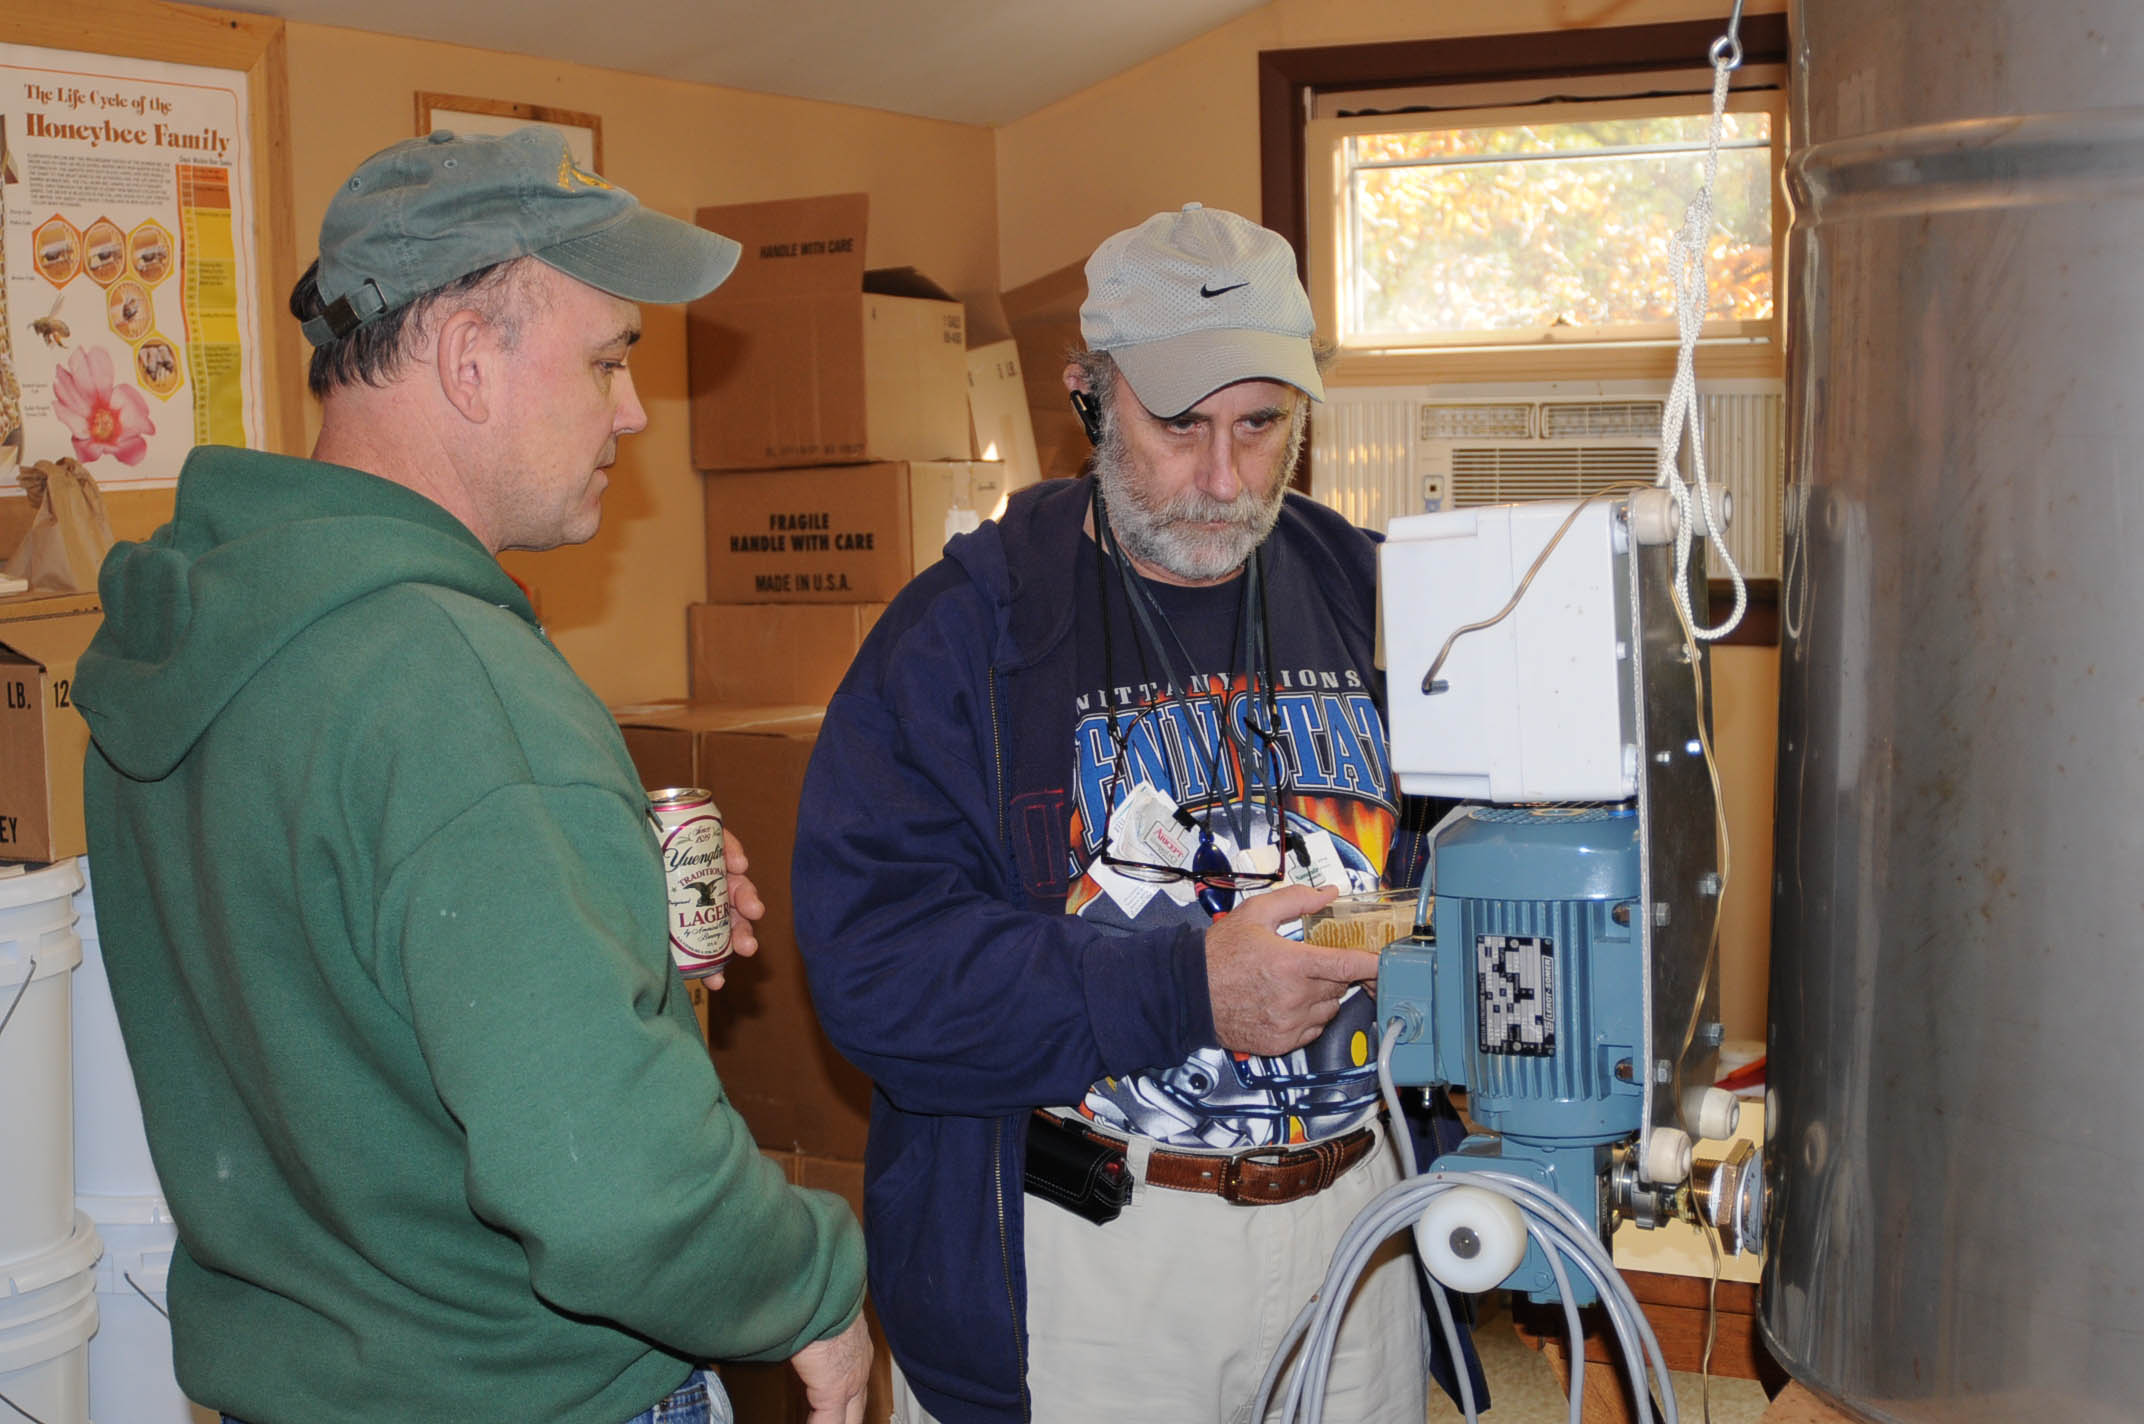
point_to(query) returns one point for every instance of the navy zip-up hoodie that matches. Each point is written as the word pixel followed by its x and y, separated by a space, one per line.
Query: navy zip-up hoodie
pixel 931 868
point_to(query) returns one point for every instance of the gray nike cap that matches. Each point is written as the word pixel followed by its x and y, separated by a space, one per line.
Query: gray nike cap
pixel 416 216
pixel 1191 301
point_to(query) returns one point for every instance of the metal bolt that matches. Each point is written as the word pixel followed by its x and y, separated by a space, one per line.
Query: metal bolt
pixel 1663 1071
pixel 1626 1071
pixel 1712 1034
pixel 1660 912
pixel 1620 914
pixel 1708 883
pixel 1663 757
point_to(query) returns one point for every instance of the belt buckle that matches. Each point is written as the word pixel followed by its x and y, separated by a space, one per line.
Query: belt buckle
pixel 1280 1157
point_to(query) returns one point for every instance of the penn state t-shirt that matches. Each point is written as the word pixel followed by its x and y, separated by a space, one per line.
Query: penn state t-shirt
pixel 1181 709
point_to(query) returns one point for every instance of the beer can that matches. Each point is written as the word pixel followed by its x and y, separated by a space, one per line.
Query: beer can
pixel 689 830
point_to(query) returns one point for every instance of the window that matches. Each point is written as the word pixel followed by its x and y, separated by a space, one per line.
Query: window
pixel 1517 231
pixel 1533 230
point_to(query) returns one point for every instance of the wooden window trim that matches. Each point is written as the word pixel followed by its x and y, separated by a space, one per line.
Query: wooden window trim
pixel 1285 76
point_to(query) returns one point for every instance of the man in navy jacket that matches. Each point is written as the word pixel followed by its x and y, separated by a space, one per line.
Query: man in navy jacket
pixel 1081 774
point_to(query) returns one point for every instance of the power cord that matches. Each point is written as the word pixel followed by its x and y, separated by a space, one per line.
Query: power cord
pixel 1563 1237
pixel 1712 1315
pixel 1726 858
pixel 1436 664
pixel 1551 1224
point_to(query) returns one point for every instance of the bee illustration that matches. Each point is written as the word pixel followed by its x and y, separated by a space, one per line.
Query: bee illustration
pixel 50 327
pixel 157 363
pixel 130 309
pixel 58 251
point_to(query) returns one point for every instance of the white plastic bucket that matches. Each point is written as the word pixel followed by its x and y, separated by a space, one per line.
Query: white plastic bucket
pixel 48 1310
pixel 111 1153
pixel 130 1373
pixel 38 954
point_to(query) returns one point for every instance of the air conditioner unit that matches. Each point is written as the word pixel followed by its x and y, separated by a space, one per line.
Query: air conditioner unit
pixel 1382 451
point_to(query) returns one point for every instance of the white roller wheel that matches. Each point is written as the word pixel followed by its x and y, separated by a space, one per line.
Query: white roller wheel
pixel 1654 517
pixel 1668 1152
pixel 1472 1239
pixel 1715 1115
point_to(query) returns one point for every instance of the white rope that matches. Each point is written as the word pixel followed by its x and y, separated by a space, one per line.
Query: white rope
pixel 1686 252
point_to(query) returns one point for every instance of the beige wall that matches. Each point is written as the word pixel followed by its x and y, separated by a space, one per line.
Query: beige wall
pixel 616 606
pixel 1184 127
pixel 1745 738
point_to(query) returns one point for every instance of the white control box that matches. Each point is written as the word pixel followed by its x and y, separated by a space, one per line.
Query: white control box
pixel 1537 707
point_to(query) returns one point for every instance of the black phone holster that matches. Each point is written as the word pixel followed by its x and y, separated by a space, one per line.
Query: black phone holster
pixel 1067 1166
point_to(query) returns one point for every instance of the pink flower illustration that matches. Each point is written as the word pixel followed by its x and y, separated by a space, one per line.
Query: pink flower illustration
pixel 103 420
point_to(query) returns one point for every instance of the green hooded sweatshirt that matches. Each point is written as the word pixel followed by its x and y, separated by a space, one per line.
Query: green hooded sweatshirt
pixel 387 932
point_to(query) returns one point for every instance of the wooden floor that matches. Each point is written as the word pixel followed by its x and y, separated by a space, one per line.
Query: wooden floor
pixel 1525 1387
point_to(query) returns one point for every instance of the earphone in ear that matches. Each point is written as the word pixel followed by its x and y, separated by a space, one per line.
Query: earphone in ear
pixel 1089 412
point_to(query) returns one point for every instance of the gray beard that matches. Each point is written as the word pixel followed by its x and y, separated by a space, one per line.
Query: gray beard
pixel 1158 533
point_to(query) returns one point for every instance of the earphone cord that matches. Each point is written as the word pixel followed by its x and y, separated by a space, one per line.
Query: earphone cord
pixel 1209 754
pixel 1250 639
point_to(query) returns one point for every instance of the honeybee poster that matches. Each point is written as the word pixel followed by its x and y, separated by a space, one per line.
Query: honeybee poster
pixel 127 248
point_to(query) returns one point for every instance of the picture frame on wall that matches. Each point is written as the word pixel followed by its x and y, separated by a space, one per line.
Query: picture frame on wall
pixel 465 114
pixel 224 364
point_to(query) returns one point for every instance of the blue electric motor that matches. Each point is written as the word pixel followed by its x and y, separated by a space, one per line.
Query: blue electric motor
pixel 1531 996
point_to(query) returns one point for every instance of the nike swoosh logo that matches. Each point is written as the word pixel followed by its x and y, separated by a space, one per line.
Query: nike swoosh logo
pixel 1205 291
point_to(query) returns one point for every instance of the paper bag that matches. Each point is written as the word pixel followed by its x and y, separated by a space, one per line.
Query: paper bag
pixel 69 535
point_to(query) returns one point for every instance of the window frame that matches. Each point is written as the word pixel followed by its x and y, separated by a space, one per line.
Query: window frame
pixel 1290 81
pixel 1328 241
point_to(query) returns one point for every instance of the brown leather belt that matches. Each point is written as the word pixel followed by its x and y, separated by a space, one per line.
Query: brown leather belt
pixel 1261 1176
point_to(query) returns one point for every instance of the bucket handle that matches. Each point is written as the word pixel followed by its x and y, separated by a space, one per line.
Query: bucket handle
pixel 12 1005
pixel 18 1408
pixel 128 1277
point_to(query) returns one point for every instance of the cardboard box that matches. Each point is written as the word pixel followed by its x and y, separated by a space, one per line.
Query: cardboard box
pixel 772 1392
pixel 781 1073
pixel 42 737
pixel 1043 316
pixel 997 409
pixel 839 534
pixel 774 652
pixel 798 359
pixel 669 740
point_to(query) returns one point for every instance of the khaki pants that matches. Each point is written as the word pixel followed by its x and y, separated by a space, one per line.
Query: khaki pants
pixel 1173 1311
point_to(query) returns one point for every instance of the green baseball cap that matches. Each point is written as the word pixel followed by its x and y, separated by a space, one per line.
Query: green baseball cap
pixel 414 217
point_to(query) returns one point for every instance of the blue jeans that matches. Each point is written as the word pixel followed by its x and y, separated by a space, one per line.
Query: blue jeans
pixel 699 1400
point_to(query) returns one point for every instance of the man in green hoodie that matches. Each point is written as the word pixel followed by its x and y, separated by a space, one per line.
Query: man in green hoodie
pixel 383 913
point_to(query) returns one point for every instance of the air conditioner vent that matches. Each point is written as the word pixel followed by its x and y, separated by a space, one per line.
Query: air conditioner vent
pixel 1378 452
pixel 1500 474
pixel 1601 420
pixel 1480 421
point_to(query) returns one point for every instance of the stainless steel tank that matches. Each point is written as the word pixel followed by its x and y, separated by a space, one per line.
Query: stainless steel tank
pixel 1957 1153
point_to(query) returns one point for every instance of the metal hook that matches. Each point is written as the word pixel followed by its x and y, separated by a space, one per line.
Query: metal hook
pixel 1727 49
